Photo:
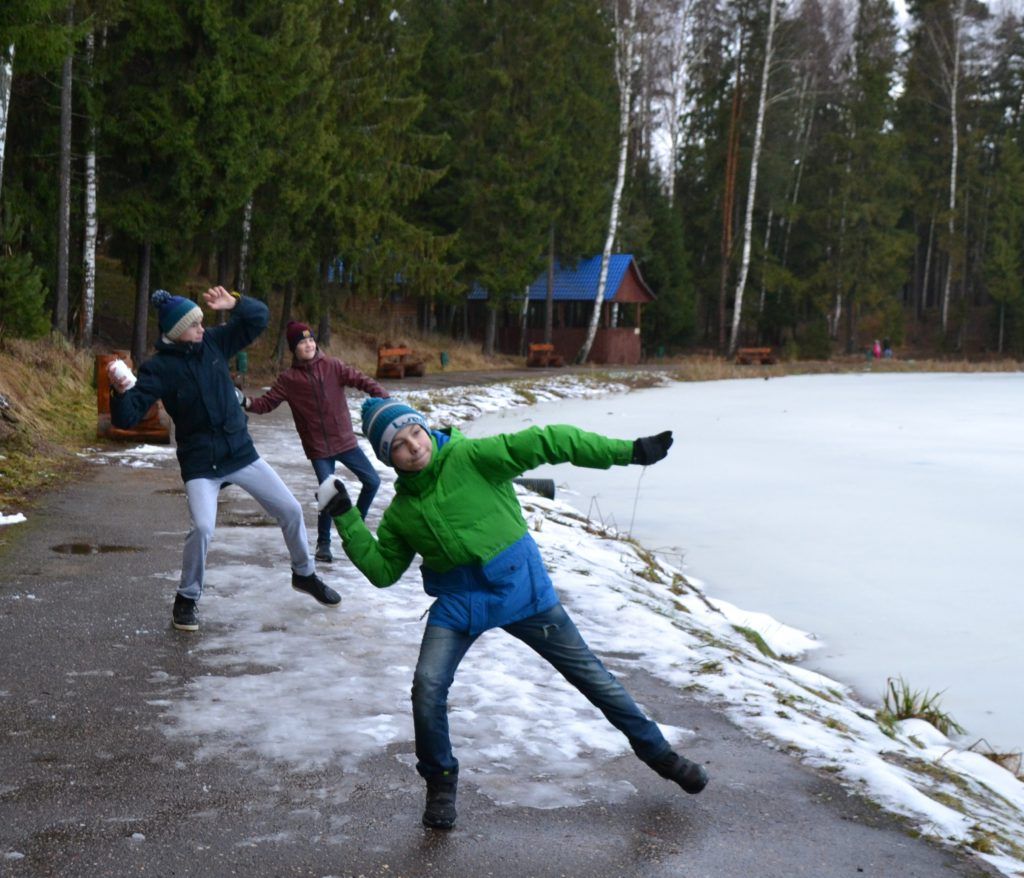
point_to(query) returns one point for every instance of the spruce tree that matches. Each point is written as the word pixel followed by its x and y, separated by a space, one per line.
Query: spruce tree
pixel 524 95
pixel 1004 261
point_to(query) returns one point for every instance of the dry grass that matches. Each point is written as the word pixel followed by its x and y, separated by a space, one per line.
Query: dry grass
pixel 47 412
pixel 712 368
pixel 900 702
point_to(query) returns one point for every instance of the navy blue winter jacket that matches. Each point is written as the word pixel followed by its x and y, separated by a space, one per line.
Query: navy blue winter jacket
pixel 194 383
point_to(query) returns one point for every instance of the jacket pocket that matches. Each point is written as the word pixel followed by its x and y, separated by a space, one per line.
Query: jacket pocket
pixel 510 567
pixel 235 434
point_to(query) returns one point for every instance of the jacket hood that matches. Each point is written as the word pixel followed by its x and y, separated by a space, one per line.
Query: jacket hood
pixel 179 348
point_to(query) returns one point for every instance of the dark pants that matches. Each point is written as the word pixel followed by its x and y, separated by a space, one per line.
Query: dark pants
pixel 358 464
pixel 554 637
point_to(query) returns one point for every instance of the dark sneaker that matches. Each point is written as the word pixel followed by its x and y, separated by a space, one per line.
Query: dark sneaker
pixel 689 775
pixel 314 586
pixel 184 616
pixel 323 553
pixel 439 812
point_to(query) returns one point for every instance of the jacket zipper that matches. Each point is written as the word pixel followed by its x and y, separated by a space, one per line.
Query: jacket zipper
pixel 320 403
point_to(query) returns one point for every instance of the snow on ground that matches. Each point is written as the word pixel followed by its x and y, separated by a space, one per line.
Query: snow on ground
pixel 139 457
pixel 310 687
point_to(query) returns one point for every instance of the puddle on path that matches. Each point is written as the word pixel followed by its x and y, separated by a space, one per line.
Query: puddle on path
pixel 91 549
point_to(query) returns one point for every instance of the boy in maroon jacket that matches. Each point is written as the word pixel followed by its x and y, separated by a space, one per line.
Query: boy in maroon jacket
pixel 314 388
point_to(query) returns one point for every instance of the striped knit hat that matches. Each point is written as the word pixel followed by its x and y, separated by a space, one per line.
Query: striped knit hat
pixel 175 314
pixel 382 419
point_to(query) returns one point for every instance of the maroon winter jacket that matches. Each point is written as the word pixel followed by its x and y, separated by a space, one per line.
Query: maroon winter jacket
pixel 315 390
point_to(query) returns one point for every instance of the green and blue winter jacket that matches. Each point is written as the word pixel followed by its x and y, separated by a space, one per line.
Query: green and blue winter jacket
pixel 462 516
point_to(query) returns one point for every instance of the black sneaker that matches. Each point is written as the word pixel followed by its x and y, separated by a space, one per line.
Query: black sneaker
pixel 184 616
pixel 689 775
pixel 323 553
pixel 439 812
pixel 314 586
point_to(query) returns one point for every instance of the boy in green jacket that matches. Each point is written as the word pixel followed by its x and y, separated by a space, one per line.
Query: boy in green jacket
pixel 455 506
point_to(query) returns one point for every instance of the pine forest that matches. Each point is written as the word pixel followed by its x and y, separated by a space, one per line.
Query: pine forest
pixel 809 175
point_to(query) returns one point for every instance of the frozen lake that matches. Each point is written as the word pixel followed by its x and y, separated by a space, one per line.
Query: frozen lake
pixel 880 512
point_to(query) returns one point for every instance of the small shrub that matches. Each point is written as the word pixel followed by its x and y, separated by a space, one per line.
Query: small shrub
pixel 23 311
pixel 901 702
pixel 756 639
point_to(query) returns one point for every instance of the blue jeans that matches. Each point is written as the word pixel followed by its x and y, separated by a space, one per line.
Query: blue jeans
pixel 358 464
pixel 553 636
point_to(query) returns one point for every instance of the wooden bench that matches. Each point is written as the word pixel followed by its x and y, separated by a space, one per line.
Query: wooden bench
pixel 543 355
pixel 746 356
pixel 155 426
pixel 398 362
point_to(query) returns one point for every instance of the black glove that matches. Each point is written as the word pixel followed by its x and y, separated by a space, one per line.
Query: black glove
pixel 332 497
pixel 651 449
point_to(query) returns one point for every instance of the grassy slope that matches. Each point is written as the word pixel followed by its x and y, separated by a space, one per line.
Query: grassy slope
pixel 47 413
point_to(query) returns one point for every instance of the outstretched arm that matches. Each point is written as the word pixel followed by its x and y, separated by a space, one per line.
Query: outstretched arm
pixel 249 319
pixel 508 455
pixel 260 405
pixel 381 559
pixel 349 376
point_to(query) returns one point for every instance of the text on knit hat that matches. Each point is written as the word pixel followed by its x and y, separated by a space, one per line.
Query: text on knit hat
pixel 382 419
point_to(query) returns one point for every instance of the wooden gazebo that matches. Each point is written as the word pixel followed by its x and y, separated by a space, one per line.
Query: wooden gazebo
pixel 574 292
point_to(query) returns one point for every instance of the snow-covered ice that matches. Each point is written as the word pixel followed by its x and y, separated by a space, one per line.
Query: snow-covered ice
pixel 878 511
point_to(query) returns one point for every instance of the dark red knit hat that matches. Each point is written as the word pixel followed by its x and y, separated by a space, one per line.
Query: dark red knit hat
pixel 296 332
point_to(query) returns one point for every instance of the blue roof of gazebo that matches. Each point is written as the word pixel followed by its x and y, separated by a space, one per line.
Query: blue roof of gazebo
pixel 578 284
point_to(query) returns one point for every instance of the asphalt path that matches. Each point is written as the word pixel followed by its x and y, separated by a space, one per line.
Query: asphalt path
pixel 92 786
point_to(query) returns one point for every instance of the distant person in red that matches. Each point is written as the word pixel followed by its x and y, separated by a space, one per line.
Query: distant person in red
pixel 876 350
pixel 314 387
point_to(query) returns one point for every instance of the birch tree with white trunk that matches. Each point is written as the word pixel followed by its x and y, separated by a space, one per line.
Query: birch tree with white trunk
pixel 6 79
pixel 952 84
pixel 748 221
pixel 60 319
pixel 625 27
pixel 243 253
pixel 91 226
pixel 680 49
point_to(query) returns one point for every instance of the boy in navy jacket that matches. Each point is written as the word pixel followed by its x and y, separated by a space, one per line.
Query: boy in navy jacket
pixel 189 374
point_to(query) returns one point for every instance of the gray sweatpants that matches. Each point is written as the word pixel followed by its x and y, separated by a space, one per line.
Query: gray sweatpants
pixel 264 485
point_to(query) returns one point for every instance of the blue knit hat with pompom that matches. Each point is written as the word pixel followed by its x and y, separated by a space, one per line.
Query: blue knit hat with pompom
pixel 175 314
pixel 382 419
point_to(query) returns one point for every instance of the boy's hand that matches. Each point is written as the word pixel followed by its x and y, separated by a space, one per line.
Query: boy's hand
pixel 219 299
pixel 332 497
pixel 120 385
pixel 651 449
